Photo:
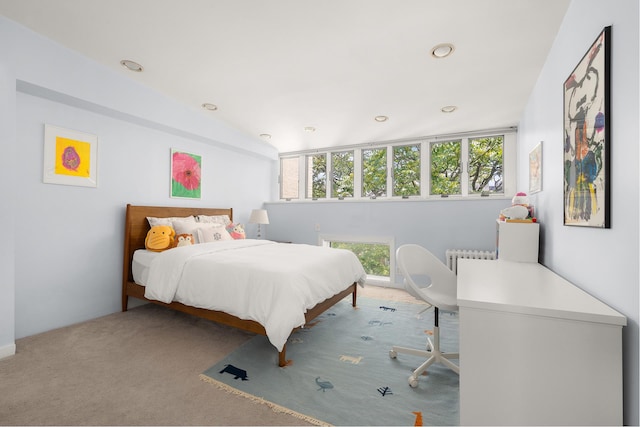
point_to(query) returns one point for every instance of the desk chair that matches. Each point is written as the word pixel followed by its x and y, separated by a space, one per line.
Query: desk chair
pixel 428 279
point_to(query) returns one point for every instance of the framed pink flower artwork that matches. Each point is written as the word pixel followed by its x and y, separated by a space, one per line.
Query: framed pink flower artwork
pixel 186 179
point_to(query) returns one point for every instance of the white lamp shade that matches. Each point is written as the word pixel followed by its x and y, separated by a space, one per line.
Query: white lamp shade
pixel 259 216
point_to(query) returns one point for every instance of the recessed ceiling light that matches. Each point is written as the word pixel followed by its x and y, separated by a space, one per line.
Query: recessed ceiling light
pixel 265 136
pixel 381 118
pixel 449 109
pixel 209 106
pixel 131 65
pixel 309 129
pixel 442 50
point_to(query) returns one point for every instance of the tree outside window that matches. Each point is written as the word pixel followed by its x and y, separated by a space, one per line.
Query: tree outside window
pixel 445 167
pixel 406 170
pixel 342 174
pixel 374 172
pixel 317 176
pixel 486 165
pixel 374 257
pixel 462 167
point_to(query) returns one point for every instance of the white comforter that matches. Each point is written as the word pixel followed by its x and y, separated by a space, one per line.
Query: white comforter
pixel 271 283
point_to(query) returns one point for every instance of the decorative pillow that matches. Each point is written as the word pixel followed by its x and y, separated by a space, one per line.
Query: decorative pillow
pixel 236 231
pixel 160 238
pixel 214 219
pixel 213 233
pixel 169 220
pixel 184 240
pixel 195 230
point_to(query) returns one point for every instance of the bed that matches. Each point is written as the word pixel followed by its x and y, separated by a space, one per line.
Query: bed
pixel 153 276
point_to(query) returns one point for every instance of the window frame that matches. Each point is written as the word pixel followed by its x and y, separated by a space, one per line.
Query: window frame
pixel 326 239
pixel 308 190
pixel 330 187
pixel 509 173
pixel 386 171
pixel 281 178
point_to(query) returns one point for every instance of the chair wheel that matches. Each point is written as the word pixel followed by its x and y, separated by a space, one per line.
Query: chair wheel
pixel 413 382
pixel 393 354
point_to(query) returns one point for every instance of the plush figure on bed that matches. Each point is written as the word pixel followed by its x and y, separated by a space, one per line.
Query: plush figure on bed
pixel 184 240
pixel 160 238
pixel 236 231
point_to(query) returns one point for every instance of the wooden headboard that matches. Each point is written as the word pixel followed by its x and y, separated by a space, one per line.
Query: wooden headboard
pixel 136 227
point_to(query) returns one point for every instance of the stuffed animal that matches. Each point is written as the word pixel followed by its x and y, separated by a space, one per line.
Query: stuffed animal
pixel 160 238
pixel 520 199
pixel 236 231
pixel 515 212
pixel 519 209
pixel 184 240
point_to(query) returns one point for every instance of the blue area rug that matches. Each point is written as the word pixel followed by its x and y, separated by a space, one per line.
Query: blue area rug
pixel 341 373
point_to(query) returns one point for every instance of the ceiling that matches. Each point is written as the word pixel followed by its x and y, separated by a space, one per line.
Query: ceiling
pixel 277 67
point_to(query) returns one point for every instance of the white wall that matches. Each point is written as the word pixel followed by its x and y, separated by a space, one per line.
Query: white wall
pixel 7 269
pixel 63 262
pixel 602 262
pixel 437 225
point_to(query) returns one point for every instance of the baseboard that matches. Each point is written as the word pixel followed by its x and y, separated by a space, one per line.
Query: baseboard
pixel 7 350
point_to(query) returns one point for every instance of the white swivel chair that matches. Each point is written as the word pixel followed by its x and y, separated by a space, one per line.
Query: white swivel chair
pixel 427 278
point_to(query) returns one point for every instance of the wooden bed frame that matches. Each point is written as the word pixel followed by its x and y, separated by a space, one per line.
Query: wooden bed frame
pixel 136 228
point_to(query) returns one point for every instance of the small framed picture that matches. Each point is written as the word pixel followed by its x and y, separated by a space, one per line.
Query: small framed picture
pixel 70 157
pixel 535 169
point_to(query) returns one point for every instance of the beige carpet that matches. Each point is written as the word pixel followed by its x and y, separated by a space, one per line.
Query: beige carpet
pixel 141 367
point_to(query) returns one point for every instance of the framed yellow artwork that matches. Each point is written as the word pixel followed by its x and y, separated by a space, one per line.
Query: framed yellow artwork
pixel 70 157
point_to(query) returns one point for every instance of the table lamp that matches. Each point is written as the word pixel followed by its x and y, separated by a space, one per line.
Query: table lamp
pixel 259 216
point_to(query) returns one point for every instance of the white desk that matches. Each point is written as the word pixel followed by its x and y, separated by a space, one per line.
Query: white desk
pixel 535 349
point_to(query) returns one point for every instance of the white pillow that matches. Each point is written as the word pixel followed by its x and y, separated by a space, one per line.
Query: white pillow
pixel 169 220
pixel 213 233
pixel 202 232
pixel 214 219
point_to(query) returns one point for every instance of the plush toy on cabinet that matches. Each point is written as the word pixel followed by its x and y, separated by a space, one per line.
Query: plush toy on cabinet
pixel 520 209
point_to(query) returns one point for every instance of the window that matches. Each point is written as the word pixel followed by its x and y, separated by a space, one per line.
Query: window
pixel 484 171
pixel 473 165
pixel 342 174
pixel 406 170
pixel 290 178
pixel 486 164
pixel 374 254
pixel 374 172
pixel 316 176
pixel 445 168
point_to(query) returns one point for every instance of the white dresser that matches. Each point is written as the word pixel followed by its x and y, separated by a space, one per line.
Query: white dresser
pixel 535 349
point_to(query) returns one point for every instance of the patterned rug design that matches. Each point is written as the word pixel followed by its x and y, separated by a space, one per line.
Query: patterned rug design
pixel 340 372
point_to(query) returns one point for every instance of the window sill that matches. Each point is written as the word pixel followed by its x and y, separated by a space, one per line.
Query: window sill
pixel 397 199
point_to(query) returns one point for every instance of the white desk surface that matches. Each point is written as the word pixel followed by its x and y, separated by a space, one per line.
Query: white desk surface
pixel 528 288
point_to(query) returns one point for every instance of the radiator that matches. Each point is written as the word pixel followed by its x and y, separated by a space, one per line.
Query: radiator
pixel 453 255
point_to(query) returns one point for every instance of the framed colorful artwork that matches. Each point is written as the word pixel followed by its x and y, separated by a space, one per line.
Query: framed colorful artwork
pixel 70 157
pixel 587 137
pixel 535 169
pixel 186 180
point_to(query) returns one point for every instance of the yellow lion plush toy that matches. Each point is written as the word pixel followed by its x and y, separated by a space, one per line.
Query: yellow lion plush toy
pixel 160 238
